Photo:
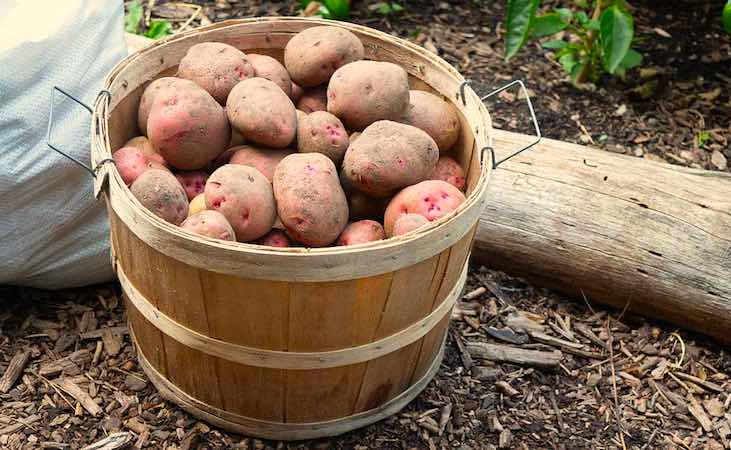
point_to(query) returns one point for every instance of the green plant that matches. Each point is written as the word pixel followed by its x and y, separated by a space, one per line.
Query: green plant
pixel 702 137
pixel 388 8
pixel 330 9
pixel 727 17
pixel 598 43
pixel 158 28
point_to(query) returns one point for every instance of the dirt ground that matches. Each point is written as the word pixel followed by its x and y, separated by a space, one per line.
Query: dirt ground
pixel 618 381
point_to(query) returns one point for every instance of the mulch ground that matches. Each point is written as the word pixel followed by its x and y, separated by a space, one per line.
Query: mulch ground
pixel 596 378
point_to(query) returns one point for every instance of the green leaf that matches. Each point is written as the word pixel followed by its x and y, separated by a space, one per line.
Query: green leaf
pixel 568 61
pixel 159 29
pixel 565 13
pixel 727 17
pixel 133 17
pixel 518 20
pixel 616 32
pixel 548 24
pixel 592 24
pixel 338 9
pixel 630 60
pixel 582 3
pixel 576 70
pixel 582 17
pixel 555 44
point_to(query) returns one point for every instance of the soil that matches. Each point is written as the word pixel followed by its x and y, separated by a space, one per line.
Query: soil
pixel 620 381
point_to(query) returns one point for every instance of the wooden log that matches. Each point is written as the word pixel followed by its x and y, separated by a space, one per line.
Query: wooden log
pixel 620 230
pixel 12 373
pixel 504 353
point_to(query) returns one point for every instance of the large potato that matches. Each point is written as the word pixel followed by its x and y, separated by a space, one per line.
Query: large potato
pixel 143 144
pixel 210 223
pixel 148 96
pixel 432 199
pixel 449 170
pixel 361 232
pixel 265 160
pixel 271 69
pixel 388 156
pixel 160 192
pixel 312 55
pixel 407 223
pixel 262 113
pixel 364 92
pixel 321 132
pixel 244 196
pixel 310 201
pixel 216 67
pixel 435 116
pixel 187 126
pixel 312 100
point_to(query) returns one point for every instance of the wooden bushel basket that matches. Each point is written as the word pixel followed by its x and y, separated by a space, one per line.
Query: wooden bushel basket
pixel 289 343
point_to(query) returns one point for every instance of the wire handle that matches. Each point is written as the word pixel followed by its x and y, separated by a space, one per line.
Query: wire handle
pixel 539 137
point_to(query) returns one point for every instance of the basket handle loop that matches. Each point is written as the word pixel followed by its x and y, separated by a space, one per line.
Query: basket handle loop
pixel 496 163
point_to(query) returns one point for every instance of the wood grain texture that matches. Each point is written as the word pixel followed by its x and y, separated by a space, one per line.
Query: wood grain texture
pixel 622 230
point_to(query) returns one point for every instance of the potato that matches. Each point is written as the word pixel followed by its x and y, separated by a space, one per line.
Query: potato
pixel 209 223
pixel 364 92
pixel 275 238
pixel 148 96
pixel 193 182
pixel 297 92
pixel 153 164
pixel 236 138
pixel 432 199
pixel 197 205
pixel 244 196
pixel 407 223
pixel 144 145
pixel 360 205
pixel 354 135
pixel 312 55
pixel 224 157
pixel 265 160
pixel 321 132
pixel 187 127
pixel 312 100
pixel 262 113
pixel 216 67
pixel 361 232
pixel 271 69
pixel 160 192
pixel 435 116
pixel 310 201
pixel 388 156
pixel 449 170
pixel 130 162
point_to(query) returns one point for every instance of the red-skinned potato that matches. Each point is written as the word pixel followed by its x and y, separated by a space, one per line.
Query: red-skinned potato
pixel 312 55
pixel 435 116
pixel 197 205
pixel 265 160
pixel 148 96
pixel 297 92
pixel 432 199
pixel 354 135
pixel 187 126
pixel 153 164
pixel 449 170
pixel 407 223
pixel 321 132
pixel 364 92
pixel 236 138
pixel 271 69
pixel 388 156
pixel 244 196
pixel 312 100
pixel 361 232
pixel 193 182
pixel 360 205
pixel 209 223
pixel 130 163
pixel 262 113
pixel 310 201
pixel 216 67
pixel 275 238
pixel 144 145
pixel 160 192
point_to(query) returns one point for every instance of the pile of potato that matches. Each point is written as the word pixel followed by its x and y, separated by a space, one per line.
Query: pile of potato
pixel 327 149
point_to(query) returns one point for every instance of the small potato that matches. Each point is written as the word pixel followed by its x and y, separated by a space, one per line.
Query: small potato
pixel 209 223
pixel 435 116
pixel 388 156
pixel 144 145
pixel 275 238
pixel 364 92
pixel 321 132
pixel 154 164
pixel 265 160
pixel 310 201
pixel 449 170
pixel 236 138
pixel 193 182
pixel 224 157
pixel 297 92
pixel 160 192
pixel 148 96
pixel 244 196
pixel 407 223
pixel 130 162
pixel 360 205
pixel 271 69
pixel 432 199
pixel 312 55
pixel 187 126
pixel 312 100
pixel 197 205
pixel 262 113
pixel 216 67
pixel 361 232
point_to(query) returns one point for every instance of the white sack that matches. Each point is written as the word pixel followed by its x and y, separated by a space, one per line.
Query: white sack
pixel 53 233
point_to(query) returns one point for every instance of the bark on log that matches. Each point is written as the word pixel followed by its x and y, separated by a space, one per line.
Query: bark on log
pixel 622 230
